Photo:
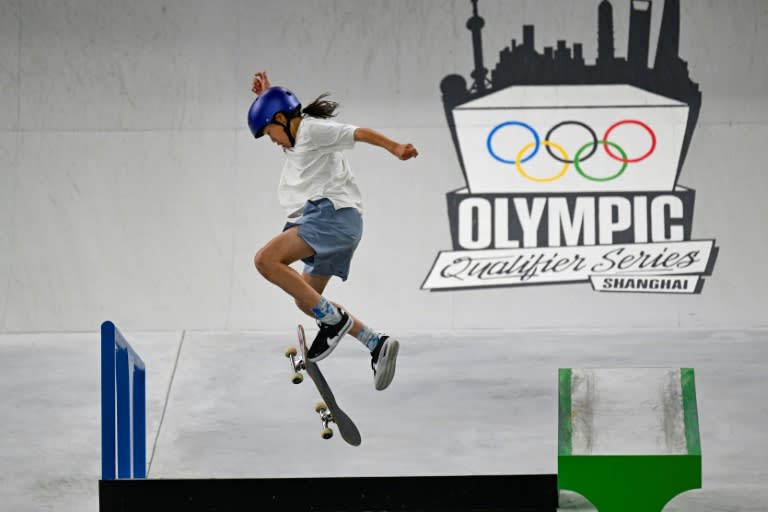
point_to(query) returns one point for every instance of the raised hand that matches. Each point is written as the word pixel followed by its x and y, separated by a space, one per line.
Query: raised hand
pixel 405 151
pixel 260 82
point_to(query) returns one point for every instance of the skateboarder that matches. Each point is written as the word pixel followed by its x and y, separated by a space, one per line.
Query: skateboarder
pixel 322 202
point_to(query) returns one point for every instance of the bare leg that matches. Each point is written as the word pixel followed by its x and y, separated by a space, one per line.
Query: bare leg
pixel 273 262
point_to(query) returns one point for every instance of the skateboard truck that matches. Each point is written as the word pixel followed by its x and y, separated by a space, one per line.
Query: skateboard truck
pixel 325 417
pixel 298 366
pixel 321 408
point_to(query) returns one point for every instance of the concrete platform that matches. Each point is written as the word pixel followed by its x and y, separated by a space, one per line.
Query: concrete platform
pixel 221 405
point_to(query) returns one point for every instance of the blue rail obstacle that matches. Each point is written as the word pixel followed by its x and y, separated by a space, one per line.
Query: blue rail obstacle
pixel 123 408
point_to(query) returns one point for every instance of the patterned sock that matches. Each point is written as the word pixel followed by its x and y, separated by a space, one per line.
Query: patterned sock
pixel 368 338
pixel 326 312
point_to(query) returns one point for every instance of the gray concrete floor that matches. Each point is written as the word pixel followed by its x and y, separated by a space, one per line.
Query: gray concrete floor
pixel 222 405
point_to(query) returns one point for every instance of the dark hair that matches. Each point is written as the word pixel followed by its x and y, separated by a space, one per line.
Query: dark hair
pixel 321 108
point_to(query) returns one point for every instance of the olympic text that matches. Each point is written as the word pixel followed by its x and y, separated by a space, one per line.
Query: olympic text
pixel 508 222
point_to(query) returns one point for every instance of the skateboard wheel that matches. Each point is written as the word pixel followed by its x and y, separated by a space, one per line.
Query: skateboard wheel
pixel 297 378
pixel 320 407
pixel 327 433
pixel 291 351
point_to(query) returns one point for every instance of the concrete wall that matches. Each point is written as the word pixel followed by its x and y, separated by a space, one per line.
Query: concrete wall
pixel 131 189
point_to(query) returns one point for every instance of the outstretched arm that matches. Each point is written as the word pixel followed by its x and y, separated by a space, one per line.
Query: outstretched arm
pixel 401 151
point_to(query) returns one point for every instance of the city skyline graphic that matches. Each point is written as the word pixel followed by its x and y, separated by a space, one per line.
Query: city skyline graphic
pixel 522 65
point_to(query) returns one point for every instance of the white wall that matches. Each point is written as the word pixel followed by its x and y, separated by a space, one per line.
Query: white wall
pixel 131 189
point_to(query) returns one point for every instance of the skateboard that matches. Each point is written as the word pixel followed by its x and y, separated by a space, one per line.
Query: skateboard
pixel 328 409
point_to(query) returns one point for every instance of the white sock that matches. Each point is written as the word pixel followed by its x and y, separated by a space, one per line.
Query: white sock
pixel 326 312
pixel 368 338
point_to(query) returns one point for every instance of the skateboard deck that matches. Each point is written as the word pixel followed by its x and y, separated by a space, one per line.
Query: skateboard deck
pixel 329 409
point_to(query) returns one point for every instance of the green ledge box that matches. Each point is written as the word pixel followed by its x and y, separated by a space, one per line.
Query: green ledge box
pixel 628 438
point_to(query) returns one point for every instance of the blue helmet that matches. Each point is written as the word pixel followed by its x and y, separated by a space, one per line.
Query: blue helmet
pixel 271 101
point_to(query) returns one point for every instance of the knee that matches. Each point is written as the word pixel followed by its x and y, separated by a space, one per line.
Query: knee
pixel 263 262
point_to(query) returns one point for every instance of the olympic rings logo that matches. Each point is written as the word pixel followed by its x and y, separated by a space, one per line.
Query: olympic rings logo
pixel 563 157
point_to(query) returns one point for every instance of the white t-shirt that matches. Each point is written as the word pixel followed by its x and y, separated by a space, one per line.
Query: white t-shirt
pixel 316 168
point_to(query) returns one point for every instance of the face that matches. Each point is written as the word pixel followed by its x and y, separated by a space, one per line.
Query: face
pixel 277 133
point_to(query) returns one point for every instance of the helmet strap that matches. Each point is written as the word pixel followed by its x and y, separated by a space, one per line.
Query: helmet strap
pixel 287 129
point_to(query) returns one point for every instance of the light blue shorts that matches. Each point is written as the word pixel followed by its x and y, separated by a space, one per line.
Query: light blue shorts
pixel 333 234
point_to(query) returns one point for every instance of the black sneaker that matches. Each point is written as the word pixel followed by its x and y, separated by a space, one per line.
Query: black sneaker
pixel 383 361
pixel 328 337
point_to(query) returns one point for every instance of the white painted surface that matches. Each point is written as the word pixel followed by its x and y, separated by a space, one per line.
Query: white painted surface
pixel 8 163
pixel 569 96
pixel 543 174
pixel 139 195
pixel 9 66
pixel 627 411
